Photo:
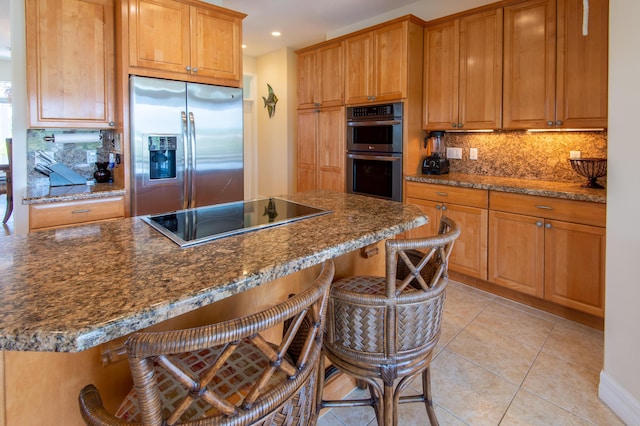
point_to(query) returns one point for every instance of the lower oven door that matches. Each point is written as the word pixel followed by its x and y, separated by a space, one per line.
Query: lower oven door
pixel 376 175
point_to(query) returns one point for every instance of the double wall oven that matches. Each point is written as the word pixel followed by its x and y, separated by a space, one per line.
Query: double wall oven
pixel 374 150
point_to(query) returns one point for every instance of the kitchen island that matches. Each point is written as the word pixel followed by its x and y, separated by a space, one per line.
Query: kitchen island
pixel 84 289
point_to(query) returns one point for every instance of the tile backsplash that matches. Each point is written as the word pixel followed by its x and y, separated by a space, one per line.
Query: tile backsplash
pixel 526 155
pixel 73 155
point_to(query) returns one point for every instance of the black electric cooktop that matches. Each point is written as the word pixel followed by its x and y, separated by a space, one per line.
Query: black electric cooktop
pixel 202 224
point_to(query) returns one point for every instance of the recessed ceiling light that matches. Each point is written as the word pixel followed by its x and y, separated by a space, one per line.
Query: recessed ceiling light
pixel 244 46
pixel 276 33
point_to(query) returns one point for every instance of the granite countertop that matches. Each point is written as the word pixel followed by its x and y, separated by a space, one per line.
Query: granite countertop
pixel 71 289
pixel 54 194
pixel 565 190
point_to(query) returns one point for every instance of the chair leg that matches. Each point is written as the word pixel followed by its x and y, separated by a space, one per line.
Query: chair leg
pixel 389 412
pixel 428 401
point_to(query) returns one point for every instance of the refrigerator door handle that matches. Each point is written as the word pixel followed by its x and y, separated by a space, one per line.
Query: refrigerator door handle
pixel 192 120
pixel 187 156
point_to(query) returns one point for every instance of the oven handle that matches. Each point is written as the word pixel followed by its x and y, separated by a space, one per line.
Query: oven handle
pixel 373 123
pixel 373 157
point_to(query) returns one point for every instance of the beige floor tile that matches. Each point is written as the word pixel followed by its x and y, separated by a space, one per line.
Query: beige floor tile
pixel 569 386
pixel 465 302
pixel 576 343
pixel 516 324
pixel 328 418
pixel 472 393
pixel 528 309
pixel 452 324
pixel 500 355
pixel 353 416
pixel 528 409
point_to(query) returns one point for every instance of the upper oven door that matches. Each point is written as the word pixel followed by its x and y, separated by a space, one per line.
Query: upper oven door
pixel 374 136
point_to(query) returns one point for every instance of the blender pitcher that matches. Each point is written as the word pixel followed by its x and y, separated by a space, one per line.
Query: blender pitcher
pixel 436 163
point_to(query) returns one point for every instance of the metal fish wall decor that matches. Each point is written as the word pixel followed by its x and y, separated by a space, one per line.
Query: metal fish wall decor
pixel 270 101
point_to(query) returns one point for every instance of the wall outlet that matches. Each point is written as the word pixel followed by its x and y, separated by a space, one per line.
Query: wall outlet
pixel 92 157
pixel 473 153
pixel 454 153
pixel 574 154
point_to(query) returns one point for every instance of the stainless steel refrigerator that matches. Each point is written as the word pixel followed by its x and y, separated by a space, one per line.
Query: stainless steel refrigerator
pixel 186 145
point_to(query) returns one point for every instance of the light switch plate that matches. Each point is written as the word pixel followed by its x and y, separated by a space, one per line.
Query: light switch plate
pixel 92 156
pixel 454 153
pixel 473 153
pixel 574 154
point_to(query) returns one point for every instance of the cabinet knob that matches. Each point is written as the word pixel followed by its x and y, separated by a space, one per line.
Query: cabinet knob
pixel 547 225
pixel 559 123
pixel 444 207
pixel 539 224
pixel 438 207
pixel 195 69
pixel 188 68
pixel 454 125
pixel 550 123
pixel 112 123
pixel 459 125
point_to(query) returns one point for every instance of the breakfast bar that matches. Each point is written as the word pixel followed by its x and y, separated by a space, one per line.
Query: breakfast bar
pixel 72 295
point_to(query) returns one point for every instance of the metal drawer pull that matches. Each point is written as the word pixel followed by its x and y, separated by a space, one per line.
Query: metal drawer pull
pixel 544 207
pixel 80 211
pixel 547 225
pixel 444 194
pixel 539 224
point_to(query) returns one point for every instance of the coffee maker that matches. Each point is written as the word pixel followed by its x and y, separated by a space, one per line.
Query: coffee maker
pixel 435 163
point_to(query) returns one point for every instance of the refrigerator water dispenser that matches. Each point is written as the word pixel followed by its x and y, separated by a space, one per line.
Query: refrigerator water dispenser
pixel 162 156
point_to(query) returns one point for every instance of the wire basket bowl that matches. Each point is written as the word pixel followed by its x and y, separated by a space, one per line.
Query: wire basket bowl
pixel 591 168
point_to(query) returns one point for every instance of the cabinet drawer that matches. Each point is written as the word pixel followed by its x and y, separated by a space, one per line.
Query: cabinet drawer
pixel 448 194
pixel 549 208
pixel 74 212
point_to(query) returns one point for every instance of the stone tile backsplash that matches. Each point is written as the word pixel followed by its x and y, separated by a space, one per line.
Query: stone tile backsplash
pixel 526 155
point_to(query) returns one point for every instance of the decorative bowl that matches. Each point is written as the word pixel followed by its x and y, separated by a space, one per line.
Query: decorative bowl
pixel 591 168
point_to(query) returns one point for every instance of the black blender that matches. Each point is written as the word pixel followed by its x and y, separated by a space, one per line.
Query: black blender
pixel 435 163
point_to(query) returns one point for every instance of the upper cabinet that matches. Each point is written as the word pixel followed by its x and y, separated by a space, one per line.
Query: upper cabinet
pixel 321 76
pixel 378 63
pixel 463 73
pixel 70 63
pixel 555 64
pixel 185 40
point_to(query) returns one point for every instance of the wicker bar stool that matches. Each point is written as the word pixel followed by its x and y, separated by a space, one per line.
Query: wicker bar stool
pixel 382 330
pixel 226 373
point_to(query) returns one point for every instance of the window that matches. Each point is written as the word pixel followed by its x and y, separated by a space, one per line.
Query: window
pixel 5 118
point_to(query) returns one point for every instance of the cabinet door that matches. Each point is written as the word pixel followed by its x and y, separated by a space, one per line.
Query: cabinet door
pixel 307 80
pixel 390 62
pixel 70 63
pixel 441 67
pixel 469 255
pixel 331 149
pixel 431 209
pixel 358 68
pixel 307 160
pixel 516 252
pixel 159 35
pixel 582 64
pixel 330 78
pixel 529 65
pixel 480 103
pixel 574 266
pixel 215 46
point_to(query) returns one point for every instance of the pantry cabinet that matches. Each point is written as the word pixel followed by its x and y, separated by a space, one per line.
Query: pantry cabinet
pixel 549 248
pixel 465 206
pixel 185 40
pixel 380 63
pixel 321 76
pixel 463 73
pixel 59 214
pixel 70 63
pixel 321 149
pixel 555 64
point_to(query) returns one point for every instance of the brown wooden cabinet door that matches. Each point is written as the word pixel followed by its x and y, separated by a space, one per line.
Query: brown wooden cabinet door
pixel 307 80
pixel 330 77
pixel 441 76
pixel 70 63
pixel 529 80
pixel 159 32
pixel 331 149
pixel 574 266
pixel 582 64
pixel 469 255
pixel 359 65
pixel 480 104
pixel 431 209
pixel 390 62
pixel 215 45
pixel 307 148
pixel 516 252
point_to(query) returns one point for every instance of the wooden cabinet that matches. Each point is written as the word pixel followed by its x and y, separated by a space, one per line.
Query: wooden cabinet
pixel 555 75
pixel 70 63
pixel 59 214
pixel 549 248
pixel 463 73
pixel 321 159
pixel 379 62
pixel 468 208
pixel 321 76
pixel 185 40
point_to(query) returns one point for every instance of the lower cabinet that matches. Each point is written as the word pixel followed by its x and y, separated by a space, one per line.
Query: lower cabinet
pixel 549 248
pixel 59 214
pixel 468 208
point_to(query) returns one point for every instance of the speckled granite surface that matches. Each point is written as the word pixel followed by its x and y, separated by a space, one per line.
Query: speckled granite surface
pixel 51 194
pixel 74 288
pixel 566 190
